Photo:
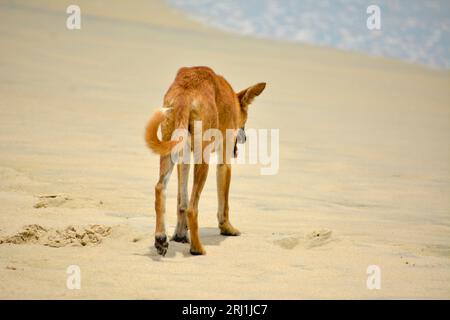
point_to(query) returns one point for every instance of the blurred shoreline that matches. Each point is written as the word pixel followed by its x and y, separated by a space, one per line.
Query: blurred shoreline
pixel 410 31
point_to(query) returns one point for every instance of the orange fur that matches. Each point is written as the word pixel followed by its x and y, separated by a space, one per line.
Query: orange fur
pixel 197 94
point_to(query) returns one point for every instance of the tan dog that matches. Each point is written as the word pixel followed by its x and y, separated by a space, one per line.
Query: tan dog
pixel 197 94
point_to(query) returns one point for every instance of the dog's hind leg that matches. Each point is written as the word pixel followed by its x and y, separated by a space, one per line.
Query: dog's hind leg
pixel 223 189
pixel 200 174
pixel 165 169
pixel 180 233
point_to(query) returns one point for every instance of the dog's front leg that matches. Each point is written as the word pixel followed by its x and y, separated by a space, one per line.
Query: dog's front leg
pixel 223 189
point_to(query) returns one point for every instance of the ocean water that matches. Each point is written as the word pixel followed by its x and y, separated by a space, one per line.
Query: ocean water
pixel 417 31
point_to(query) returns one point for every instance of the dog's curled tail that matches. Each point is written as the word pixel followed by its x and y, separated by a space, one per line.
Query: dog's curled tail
pixel 151 135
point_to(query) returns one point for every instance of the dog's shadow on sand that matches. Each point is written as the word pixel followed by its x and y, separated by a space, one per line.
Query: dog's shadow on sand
pixel 208 236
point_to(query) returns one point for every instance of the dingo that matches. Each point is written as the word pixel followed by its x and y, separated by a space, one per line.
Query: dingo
pixel 197 94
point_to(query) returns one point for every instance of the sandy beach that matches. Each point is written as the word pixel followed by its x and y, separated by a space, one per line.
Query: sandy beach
pixel 364 175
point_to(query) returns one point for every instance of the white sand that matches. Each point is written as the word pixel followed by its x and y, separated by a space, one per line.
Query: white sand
pixel 364 158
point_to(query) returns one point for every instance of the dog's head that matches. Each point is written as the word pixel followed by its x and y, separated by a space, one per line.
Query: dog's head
pixel 245 98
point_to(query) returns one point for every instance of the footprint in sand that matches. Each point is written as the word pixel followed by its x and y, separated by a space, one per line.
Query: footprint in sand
pixel 288 242
pixel 318 238
pixel 61 200
pixel 313 239
pixel 54 200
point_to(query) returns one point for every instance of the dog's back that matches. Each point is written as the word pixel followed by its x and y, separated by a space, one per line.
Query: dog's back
pixel 197 94
pixel 207 93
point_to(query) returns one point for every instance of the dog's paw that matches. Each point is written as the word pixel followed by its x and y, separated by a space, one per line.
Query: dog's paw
pixel 161 244
pixel 197 251
pixel 182 239
pixel 226 229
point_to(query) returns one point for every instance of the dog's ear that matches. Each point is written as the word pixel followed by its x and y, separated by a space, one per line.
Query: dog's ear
pixel 246 96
